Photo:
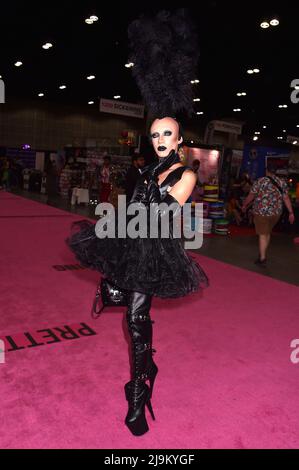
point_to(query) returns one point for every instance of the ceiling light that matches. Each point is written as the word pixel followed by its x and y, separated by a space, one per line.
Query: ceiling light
pixel 274 22
pixel 244 94
pixel 265 25
pixel 264 127
pixel 257 133
pixel 48 45
pixel 196 100
pixel 117 97
pixel 94 18
pixel 284 130
pixel 297 125
pixel 283 106
pixel 250 72
pixel 18 64
pixel 199 113
pixel 237 110
pixel 89 21
pixel 295 142
pixel 91 77
pixel 255 138
pixel 280 138
pixel 90 102
pixel 62 87
pixel 194 82
pixel 256 70
pixel 41 94
pixel 129 65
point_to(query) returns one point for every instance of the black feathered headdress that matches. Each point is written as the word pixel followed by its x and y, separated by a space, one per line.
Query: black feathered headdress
pixel 164 50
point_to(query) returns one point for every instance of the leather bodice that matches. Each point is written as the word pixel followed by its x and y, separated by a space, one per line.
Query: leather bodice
pixel 171 179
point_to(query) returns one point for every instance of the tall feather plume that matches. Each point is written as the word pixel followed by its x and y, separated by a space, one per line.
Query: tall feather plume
pixel 164 50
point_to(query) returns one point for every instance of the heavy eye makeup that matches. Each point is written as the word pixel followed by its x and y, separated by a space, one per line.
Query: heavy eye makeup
pixel 155 135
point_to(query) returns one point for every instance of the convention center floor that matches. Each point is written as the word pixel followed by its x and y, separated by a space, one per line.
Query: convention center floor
pixel 240 248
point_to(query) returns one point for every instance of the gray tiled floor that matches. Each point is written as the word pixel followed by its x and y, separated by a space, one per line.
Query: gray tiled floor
pixel 241 251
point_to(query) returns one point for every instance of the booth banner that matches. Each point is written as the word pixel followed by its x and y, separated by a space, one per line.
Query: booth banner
pixel 223 126
pixel 122 108
pixel 280 162
pixel 255 158
pixel 25 157
pixel 229 127
pixel 209 162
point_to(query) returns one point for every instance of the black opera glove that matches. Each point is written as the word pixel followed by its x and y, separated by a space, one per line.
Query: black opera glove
pixel 140 192
pixel 170 204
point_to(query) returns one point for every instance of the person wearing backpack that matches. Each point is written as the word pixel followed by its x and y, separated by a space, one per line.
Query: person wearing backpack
pixel 268 194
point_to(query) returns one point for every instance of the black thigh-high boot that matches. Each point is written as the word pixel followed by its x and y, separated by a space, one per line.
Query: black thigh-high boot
pixel 137 391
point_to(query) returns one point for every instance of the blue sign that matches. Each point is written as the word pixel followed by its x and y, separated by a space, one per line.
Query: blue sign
pixel 254 159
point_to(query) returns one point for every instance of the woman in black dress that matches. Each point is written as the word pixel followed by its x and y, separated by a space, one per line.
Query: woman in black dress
pixel 150 266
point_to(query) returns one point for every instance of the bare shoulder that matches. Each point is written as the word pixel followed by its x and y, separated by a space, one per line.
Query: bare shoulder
pixel 189 176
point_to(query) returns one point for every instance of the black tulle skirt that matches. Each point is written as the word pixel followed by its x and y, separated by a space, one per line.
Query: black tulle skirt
pixel 157 266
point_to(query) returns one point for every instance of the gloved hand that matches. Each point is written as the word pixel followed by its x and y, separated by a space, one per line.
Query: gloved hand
pixel 169 207
pixel 140 192
pixel 152 171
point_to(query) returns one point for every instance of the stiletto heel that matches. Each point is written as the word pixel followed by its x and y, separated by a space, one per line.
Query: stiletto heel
pixel 152 377
pixel 150 409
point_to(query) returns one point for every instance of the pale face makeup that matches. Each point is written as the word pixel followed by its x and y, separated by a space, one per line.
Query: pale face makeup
pixel 165 136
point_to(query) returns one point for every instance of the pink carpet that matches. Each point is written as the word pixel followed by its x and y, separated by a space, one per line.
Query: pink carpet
pixel 225 380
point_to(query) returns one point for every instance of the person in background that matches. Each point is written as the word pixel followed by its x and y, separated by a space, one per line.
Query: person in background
pixel 196 168
pixel 197 192
pixel 269 194
pixel 133 174
pixel 234 209
pixel 52 178
pixel 104 180
pixel 246 184
pixel 5 174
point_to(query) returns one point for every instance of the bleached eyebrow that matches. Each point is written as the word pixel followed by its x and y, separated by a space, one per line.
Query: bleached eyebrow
pixel 156 134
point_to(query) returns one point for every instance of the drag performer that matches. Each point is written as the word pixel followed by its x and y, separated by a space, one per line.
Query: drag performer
pixel 164 54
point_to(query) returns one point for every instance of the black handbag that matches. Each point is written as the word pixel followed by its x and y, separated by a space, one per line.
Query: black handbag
pixel 108 295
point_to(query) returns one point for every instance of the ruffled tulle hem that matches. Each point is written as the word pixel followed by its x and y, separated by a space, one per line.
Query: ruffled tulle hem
pixel 158 267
